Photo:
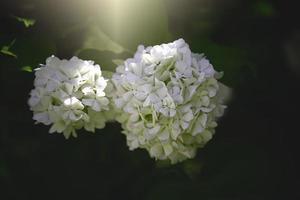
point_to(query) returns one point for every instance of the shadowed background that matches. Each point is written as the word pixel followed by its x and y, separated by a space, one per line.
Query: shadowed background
pixel 254 152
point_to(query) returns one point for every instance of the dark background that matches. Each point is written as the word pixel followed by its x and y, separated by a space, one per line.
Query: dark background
pixel 255 150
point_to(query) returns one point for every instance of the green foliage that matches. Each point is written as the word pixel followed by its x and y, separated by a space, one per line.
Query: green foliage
pixel 163 163
pixel 33 50
pixel 99 47
pixel 6 49
pixel 96 39
pixel 27 22
pixel 264 8
pixel 229 59
pixel 26 68
pixel 192 168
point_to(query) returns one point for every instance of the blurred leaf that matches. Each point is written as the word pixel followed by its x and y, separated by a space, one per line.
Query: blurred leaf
pixel 107 74
pixel 27 68
pixel 99 47
pixel 264 8
pixel 163 163
pixel 26 21
pixel 97 39
pixel 33 50
pixel 128 24
pixel 192 168
pixel 229 59
pixel 6 49
pixel 103 58
pixel 118 62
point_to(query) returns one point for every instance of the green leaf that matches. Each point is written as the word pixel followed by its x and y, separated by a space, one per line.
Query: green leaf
pixel 27 68
pixel 6 49
pixel 26 21
pixel 264 8
pixel 7 52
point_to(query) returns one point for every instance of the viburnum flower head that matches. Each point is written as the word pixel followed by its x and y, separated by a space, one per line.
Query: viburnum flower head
pixel 169 100
pixel 69 95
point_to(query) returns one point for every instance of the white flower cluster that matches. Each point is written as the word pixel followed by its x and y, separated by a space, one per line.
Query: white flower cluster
pixel 169 99
pixel 69 94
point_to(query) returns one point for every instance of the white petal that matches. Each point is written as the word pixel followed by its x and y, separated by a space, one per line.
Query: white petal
pixel 42 117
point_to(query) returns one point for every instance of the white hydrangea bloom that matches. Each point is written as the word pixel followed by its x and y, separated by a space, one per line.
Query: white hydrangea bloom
pixel 169 100
pixel 70 95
